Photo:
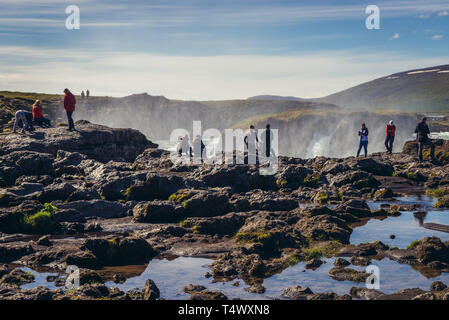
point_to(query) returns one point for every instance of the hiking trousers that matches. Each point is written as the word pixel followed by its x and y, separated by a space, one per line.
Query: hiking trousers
pixel 389 143
pixel 364 145
pixel 421 147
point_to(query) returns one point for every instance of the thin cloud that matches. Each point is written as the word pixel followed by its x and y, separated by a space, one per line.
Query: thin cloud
pixel 443 13
pixel 437 37
pixel 308 75
pixel 395 36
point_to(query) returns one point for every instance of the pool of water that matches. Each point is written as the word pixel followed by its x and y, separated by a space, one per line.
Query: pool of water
pixel 406 228
pixel 172 275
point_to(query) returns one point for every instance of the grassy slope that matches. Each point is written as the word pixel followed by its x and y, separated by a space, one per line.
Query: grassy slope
pixel 419 92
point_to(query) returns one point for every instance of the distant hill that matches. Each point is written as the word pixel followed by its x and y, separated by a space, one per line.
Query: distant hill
pixel 273 97
pixel 418 90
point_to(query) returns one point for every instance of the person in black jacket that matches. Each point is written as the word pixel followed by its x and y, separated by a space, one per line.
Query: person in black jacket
pixel 422 135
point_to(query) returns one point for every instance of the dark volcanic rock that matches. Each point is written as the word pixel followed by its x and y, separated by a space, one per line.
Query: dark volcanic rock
pixel 158 211
pixel 95 141
pixel 120 251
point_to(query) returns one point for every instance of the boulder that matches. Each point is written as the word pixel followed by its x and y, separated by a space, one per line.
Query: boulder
pixel 158 212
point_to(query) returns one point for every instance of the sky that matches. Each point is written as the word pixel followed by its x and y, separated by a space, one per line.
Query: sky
pixel 215 49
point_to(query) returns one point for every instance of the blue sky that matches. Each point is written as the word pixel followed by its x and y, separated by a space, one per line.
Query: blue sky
pixel 215 49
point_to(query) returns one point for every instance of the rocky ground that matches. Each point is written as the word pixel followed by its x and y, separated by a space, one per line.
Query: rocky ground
pixel 102 197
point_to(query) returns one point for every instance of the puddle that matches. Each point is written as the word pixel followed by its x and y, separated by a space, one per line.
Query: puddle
pixel 407 227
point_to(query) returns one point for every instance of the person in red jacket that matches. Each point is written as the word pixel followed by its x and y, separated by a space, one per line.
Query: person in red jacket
pixel 38 116
pixel 69 102
pixel 391 131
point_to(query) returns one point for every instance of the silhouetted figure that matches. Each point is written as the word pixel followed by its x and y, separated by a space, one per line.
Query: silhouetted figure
pixel 422 135
pixel 251 140
pixel 69 103
pixel 38 116
pixel 82 94
pixel 87 93
pixel 267 138
pixel 391 131
pixel 363 133
pixel 198 148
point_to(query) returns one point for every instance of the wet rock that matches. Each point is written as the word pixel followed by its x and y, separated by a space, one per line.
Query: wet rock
pixel 203 203
pixel 382 194
pixel 19 163
pixel 14 250
pixel 360 261
pixel 90 277
pixel 340 262
pixel 313 264
pixel 208 295
pixel 239 177
pixel 431 249
pixel 17 277
pixel 44 241
pixel 190 288
pixel 442 202
pixel 224 225
pixel 150 290
pixel 95 208
pixel 324 228
pixel 437 286
pixel 342 274
pixel 357 179
pixel 372 166
pixel 83 259
pixel 425 296
pixel 256 288
pixel 3 270
pixel 297 293
pixel 119 251
pixel 158 212
pixel 366 294
pixel 58 191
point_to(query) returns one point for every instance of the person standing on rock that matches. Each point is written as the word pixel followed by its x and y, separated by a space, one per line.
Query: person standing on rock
pixel 69 102
pixel 38 116
pixel 198 149
pixel 87 93
pixel 82 94
pixel 267 139
pixel 391 131
pixel 251 140
pixel 184 146
pixel 422 135
pixel 363 133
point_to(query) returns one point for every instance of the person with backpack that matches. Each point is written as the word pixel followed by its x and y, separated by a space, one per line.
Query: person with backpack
pixel 38 116
pixel 422 135
pixel 391 131
pixel 69 103
pixel 363 133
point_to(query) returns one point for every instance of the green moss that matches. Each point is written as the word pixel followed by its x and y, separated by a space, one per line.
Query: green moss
pixel 178 197
pixel 413 245
pixel 252 237
pixel 313 253
pixel 312 180
pixel 323 197
pixel 293 260
pixel 442 203
pixel 340 195
pixel 41 222
pixel 436 193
